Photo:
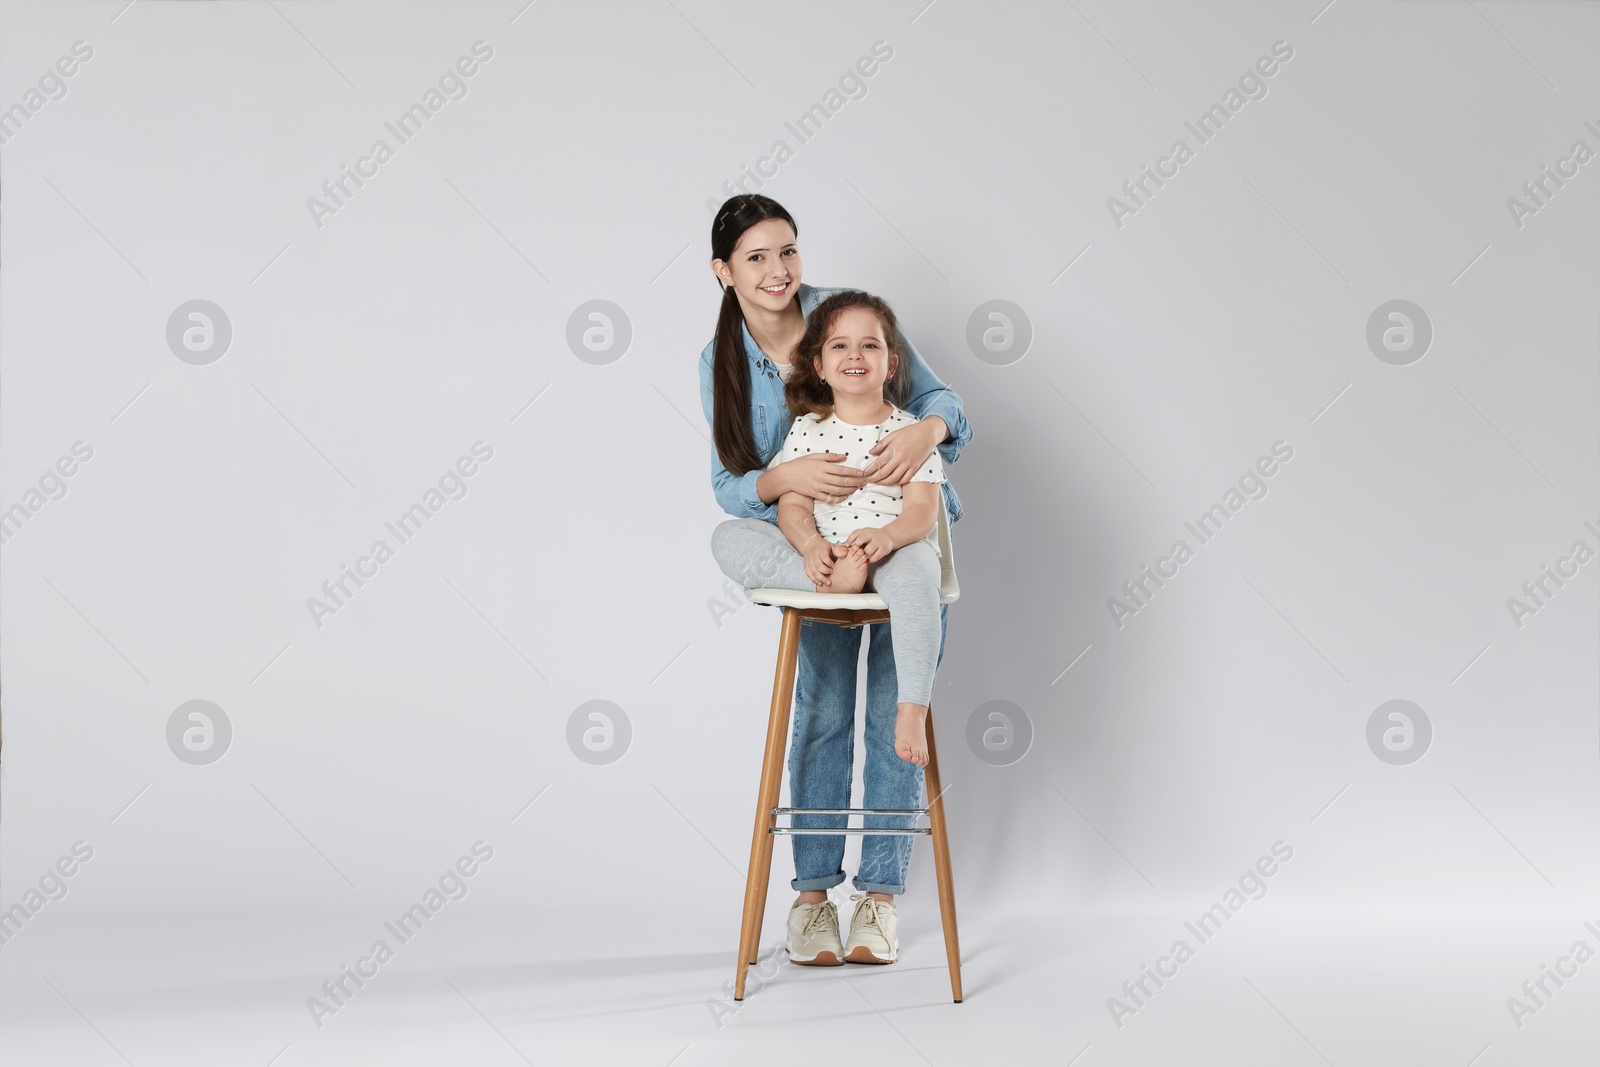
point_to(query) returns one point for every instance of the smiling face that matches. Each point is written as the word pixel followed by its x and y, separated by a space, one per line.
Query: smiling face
pixel 765 266
pixel 855 359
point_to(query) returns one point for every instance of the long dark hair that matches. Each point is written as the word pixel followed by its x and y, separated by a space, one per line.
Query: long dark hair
pixel 730 368
pixel 805 392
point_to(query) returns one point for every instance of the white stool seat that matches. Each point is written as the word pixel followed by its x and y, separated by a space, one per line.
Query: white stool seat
pixel 811 600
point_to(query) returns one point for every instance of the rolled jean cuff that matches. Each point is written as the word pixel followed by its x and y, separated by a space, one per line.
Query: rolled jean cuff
pixel 876 887
pixel 826 882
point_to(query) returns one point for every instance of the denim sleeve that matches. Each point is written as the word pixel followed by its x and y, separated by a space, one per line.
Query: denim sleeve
pixel 736 493
pixel 927 395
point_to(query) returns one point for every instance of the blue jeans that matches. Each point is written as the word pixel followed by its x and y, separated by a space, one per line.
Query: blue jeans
pixel 822 752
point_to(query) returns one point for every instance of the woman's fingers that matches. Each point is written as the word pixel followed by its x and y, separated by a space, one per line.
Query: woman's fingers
pixel 836 487
pixel 827 478
pixel 877 471
pixel 889 470
pixel 835 474
pixel 832 466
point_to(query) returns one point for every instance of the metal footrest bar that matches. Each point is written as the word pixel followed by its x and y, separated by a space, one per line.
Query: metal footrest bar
pixel 818 830
pixel 849 811
pixel 875 831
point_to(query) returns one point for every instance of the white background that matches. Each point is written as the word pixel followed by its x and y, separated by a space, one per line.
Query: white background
pixel 1168 354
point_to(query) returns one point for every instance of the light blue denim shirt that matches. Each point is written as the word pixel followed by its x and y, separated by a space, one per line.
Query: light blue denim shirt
pixel 770 419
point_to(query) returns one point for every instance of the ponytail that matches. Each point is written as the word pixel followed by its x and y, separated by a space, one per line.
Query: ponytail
pixel 730 391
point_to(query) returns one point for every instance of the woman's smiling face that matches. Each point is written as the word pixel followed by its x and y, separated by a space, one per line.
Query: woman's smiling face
pixel 855 359
pixel 765 267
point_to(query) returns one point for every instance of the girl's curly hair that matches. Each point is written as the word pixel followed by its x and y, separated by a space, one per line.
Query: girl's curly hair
pixel 805 392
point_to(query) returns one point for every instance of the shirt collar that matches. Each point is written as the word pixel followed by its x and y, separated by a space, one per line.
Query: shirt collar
pixel 896 415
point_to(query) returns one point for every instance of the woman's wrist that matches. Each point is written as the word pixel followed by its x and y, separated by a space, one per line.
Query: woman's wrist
pixel 770 485
pixel 936 425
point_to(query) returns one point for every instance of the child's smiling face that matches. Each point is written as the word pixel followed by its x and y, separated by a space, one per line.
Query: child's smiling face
pixel 855 359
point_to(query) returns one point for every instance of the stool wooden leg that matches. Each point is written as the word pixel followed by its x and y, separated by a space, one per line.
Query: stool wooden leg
pixel 760 868
pixel 941 862
pixel 789 651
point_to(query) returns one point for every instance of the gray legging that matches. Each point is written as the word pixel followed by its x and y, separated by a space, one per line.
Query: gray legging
pixel 755 554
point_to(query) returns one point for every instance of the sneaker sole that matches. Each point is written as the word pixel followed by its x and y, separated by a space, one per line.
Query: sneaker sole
pixel 821 959
pixel 863 954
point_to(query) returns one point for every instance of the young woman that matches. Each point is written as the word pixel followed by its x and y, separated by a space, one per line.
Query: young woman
pixel 742 374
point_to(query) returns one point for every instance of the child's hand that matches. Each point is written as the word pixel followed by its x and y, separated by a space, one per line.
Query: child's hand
pixel 873 540
pixel 818 558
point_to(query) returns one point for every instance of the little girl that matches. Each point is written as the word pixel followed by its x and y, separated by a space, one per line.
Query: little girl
pixel 882 535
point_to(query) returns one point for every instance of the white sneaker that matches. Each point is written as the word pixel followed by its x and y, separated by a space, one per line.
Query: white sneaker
pixel 872 932
pixel 814 935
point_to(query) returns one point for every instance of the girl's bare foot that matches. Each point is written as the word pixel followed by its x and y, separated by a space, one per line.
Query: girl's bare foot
pixel 911 734
pixel 849 570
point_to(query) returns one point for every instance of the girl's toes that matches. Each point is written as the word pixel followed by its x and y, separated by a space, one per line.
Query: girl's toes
pixel 915 756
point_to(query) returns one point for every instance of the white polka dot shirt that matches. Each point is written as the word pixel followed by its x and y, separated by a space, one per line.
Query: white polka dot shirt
pixel 872 504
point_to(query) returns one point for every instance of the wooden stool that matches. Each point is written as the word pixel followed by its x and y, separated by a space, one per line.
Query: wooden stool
pixel 840 609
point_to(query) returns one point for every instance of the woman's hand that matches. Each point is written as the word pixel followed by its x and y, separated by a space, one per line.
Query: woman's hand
pixel 818 556
pixel 902 451
pixel 875 541
pixel 822 476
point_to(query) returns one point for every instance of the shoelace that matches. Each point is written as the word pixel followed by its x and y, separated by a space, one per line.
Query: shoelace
pixel 871 906
pixel 819 919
